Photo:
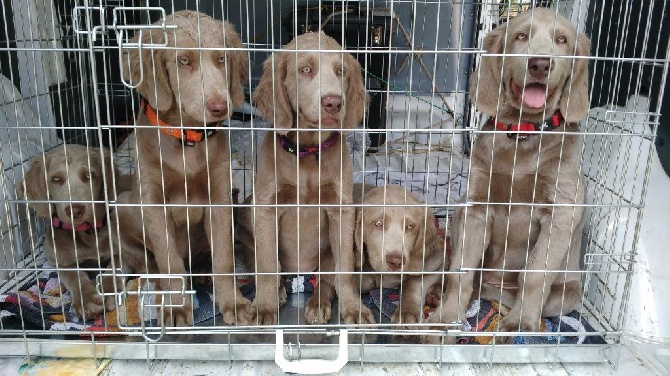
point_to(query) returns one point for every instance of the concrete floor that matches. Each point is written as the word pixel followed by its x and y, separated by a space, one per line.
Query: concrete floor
pixel 636 359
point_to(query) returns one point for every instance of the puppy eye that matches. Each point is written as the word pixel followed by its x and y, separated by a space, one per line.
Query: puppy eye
pixel 306 70
pixel 222 59
pixel 378 223
pixel 184 61
pixel 409 226
pixel 562 39
pixel 521 36
pixel 340 72
pixel 56 179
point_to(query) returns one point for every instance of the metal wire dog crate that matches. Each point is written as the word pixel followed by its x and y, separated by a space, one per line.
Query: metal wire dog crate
pixel 61 61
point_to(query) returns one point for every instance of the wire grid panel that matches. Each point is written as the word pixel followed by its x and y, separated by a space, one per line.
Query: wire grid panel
pixel 165 288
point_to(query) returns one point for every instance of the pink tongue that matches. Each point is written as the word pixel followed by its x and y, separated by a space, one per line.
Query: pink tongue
pixel 534 96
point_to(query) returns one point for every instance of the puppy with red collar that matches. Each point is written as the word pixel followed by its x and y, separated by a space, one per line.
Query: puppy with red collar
pixel 518 239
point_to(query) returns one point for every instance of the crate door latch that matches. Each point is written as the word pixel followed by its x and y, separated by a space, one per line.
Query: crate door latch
pixel 312 366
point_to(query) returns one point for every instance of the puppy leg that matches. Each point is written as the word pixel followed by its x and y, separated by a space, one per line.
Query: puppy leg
pixel 108 286
pixel 412 299
pixel 563 298
pixel 267 302
pixel 435 294
pixel 469 240
pixel 86 302
pixel 548 254
pixel 341 233
pixel 235 308
pixel 318 306
pixel 160 230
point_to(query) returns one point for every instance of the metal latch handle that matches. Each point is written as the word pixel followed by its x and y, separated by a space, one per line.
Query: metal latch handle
pixel 312 366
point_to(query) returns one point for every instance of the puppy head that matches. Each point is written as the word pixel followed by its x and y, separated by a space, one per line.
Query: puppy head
pixel 200 83
pixel 396 238
pixel 316 88
pixel 539 84
pixel 65 174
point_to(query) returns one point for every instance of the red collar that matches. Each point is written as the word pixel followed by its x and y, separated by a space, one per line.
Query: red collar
pixel 85 227
pixel 552 123
pixel 187 137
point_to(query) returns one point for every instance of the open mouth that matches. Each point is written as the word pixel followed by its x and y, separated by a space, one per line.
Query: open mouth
pixel 533 95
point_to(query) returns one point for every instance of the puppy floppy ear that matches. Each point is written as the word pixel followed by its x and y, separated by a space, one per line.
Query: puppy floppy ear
pixel 270 96
pixel 238 65
pixel 356 97
pixel 485 82
pixel 574 102
pixel 34 186
pixel 148 66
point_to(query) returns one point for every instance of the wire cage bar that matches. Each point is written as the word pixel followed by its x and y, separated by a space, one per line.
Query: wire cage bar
pixel 91 72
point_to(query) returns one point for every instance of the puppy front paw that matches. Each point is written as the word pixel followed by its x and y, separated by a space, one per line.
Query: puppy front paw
pixel 317 310
pixel 434 296
pixel 512 323
pixel 282 296
pixel 236 311
pixel 264 312
pixel 407 315
pixel 177 311
pixel 355 312
pixel 88 306
pixel 446 316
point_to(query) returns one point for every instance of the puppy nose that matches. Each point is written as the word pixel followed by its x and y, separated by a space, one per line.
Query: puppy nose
pixel 394 261
pixel 331 103
pixel 75 211
pixel 217 107
pixel 539 67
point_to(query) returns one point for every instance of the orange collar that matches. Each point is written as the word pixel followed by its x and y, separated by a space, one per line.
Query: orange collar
pixel 188 137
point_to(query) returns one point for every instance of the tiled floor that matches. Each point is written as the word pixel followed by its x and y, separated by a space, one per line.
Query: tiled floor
pixel 636 359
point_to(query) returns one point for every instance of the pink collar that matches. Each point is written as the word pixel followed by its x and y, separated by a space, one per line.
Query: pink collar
pixel 304 152
pixel 85 227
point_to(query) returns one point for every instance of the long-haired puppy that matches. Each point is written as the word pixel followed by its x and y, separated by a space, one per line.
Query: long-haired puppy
pixel 395 234
pixel 309 97
pixel 67 185
pixel 522 230
pixel 182 174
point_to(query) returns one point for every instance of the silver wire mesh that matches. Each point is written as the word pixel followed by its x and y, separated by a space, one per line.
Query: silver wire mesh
pixel 62 83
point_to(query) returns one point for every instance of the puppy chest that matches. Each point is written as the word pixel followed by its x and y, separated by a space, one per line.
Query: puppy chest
pixel 186 210
pixel 187 215
pixel 303 234
pixel 187 200
pixel 518 188
pixel 516 227
pixel 68 251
